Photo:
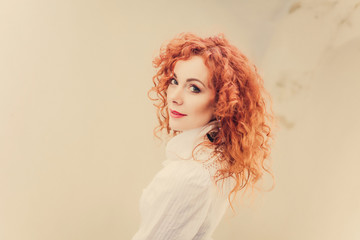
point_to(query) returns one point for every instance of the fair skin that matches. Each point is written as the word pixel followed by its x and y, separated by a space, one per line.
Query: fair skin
pixel 189 96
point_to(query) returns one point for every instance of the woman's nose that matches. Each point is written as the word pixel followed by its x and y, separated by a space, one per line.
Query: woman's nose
pixel 176 96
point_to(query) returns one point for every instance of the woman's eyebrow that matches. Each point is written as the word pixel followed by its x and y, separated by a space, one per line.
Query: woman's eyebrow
pixel 192 79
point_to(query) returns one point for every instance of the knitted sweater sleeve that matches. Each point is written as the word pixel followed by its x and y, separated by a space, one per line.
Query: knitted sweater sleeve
pixel 175 204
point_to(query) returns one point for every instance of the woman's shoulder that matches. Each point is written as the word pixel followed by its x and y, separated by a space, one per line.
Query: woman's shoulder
pixel 196 175
pixel 184 170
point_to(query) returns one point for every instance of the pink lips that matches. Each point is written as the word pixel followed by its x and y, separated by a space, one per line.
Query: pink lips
pixel 176 114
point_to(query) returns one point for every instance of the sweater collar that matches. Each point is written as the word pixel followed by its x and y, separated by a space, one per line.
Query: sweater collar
pixel 182 145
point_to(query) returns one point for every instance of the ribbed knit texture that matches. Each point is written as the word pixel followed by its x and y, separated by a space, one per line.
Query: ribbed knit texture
pixel 182 201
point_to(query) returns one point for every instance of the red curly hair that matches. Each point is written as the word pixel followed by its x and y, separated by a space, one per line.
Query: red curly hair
pixel 242 142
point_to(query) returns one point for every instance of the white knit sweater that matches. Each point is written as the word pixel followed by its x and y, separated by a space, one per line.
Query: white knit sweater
pixel 182 202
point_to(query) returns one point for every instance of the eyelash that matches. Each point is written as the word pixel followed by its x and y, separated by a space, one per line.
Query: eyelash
pixel 171 81
pixel 197 90
pixel 192 86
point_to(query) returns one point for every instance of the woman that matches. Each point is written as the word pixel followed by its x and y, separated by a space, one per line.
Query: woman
pixel 212 100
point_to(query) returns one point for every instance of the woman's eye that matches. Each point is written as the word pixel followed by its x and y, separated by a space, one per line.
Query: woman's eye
pixel 194 89
pixel 173 81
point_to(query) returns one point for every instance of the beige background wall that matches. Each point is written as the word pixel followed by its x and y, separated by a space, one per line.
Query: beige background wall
pixel 76 144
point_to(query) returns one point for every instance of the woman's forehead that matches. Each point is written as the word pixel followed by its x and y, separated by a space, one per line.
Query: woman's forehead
pixel 193 67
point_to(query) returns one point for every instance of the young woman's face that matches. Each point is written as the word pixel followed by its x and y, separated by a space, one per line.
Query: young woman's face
pixel 189 97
